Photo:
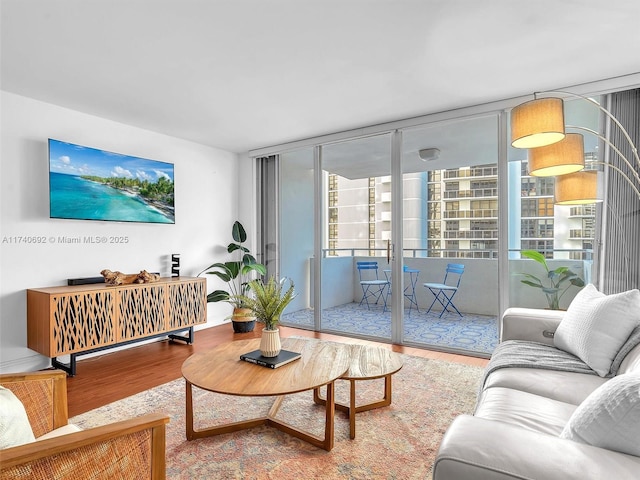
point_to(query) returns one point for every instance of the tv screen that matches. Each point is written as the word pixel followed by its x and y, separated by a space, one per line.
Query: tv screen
pixel 90 184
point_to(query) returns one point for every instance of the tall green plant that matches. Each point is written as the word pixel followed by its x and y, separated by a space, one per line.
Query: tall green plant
pixel 558 280
pixel 237 273
pixel 269 300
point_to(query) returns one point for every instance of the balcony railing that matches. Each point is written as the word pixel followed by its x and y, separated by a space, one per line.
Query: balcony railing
pixel 583 211
pixel 579 254
pixel 486 213
pixel 471 234
pixel 582 233
pixel 472 193
pixel 473 172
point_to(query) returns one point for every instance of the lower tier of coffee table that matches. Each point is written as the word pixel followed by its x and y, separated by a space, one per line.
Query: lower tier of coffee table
pixel 352 409
pixel 270 419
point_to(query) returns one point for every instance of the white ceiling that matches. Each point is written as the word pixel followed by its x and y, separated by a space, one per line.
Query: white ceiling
pixel 245 74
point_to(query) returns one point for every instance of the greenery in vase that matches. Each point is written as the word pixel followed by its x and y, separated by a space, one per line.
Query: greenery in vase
pixel 237 273
pixel 269 300
pixel 558 280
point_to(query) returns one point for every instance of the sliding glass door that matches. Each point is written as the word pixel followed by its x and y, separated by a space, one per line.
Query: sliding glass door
pixel 450 214
pixel 356 205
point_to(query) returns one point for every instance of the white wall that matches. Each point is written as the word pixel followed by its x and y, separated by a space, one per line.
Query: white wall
pixel 206 204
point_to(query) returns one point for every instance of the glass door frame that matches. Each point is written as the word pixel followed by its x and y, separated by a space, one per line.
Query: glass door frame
pixel 397 222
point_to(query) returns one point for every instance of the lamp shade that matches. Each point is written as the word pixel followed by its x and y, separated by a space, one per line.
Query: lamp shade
pixel 560 158
pixel 577 188
pixel 537 123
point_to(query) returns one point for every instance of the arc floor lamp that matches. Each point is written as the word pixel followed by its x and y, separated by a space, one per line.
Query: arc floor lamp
pixel 538 125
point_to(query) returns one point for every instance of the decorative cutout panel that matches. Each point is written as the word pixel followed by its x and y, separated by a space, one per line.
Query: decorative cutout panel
pixel 187 304
pixel 83 321
pixel 141 312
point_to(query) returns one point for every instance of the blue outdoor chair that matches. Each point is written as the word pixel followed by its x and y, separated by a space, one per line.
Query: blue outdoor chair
pixel 444 292
pixel 372 286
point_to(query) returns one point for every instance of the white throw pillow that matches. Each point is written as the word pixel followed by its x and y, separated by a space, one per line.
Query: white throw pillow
pixel 596 326
pixel 15 428
pixel 609 417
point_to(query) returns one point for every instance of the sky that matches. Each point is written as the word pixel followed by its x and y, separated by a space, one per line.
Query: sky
pixel 71 159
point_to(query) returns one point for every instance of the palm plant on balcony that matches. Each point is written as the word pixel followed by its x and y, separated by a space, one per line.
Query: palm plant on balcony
pixel 557 281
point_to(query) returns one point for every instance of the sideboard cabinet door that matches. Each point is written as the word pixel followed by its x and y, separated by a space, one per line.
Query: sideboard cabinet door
pixel 187 304
pixel 141 311
pixel 83 321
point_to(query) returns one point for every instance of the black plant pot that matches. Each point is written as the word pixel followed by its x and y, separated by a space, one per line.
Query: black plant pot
pixel 243 327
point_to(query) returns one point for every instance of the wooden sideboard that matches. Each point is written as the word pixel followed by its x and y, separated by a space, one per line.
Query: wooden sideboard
pixel 81 319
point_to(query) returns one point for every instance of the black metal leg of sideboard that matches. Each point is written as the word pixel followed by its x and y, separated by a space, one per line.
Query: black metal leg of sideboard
pixel 188 339
pixel 70 367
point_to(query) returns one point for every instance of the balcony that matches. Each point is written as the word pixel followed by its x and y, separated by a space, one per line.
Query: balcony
pixel 478 295
pixel 471 234
pixel 582 234
pixel 583 211
pixel 487 213
pixel 469 173
pixel 471 193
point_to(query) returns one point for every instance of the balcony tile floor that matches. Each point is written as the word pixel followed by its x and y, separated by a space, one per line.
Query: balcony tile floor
pixel 476 334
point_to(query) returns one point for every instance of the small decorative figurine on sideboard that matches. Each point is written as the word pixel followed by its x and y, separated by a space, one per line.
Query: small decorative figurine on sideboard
pixel 119 278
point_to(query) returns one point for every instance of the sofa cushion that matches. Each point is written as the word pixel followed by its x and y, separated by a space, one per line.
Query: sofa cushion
pixel 524 410
pixel 15 428
pixel 597 325
pixel 566 387
pixel 631 362
pixel 628 359
pixel 609 417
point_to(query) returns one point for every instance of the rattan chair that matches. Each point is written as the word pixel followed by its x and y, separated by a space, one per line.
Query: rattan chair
pixel 131 449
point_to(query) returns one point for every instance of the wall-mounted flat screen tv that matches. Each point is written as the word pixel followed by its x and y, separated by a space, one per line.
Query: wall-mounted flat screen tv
pixel 90 184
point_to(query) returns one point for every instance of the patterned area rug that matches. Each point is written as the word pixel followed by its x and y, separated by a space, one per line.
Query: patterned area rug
pixel 469 333
pixel 395 442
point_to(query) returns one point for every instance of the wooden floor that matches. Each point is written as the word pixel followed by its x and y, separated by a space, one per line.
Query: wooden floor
pixel 106 378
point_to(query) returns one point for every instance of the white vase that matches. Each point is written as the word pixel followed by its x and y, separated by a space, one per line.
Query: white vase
pixel 270 345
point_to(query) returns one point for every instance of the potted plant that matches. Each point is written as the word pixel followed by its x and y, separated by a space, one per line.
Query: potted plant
pixel 267 304
pixel 237 273
pixel 559 280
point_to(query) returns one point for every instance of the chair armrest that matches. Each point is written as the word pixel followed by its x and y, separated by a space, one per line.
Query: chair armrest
pixel 44 396
pixel 532 324
pixel 132 448
pixel 479 449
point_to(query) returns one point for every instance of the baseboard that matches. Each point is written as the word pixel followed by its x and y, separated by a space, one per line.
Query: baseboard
pixel 31 363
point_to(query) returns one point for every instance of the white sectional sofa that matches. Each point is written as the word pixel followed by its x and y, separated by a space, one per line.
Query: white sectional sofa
pixel 560 398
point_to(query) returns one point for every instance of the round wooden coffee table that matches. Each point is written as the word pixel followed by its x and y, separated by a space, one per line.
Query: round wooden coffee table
pixel 367 363
pixel 220 370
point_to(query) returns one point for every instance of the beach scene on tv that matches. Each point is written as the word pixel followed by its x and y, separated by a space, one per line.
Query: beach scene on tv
pixel 90 184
